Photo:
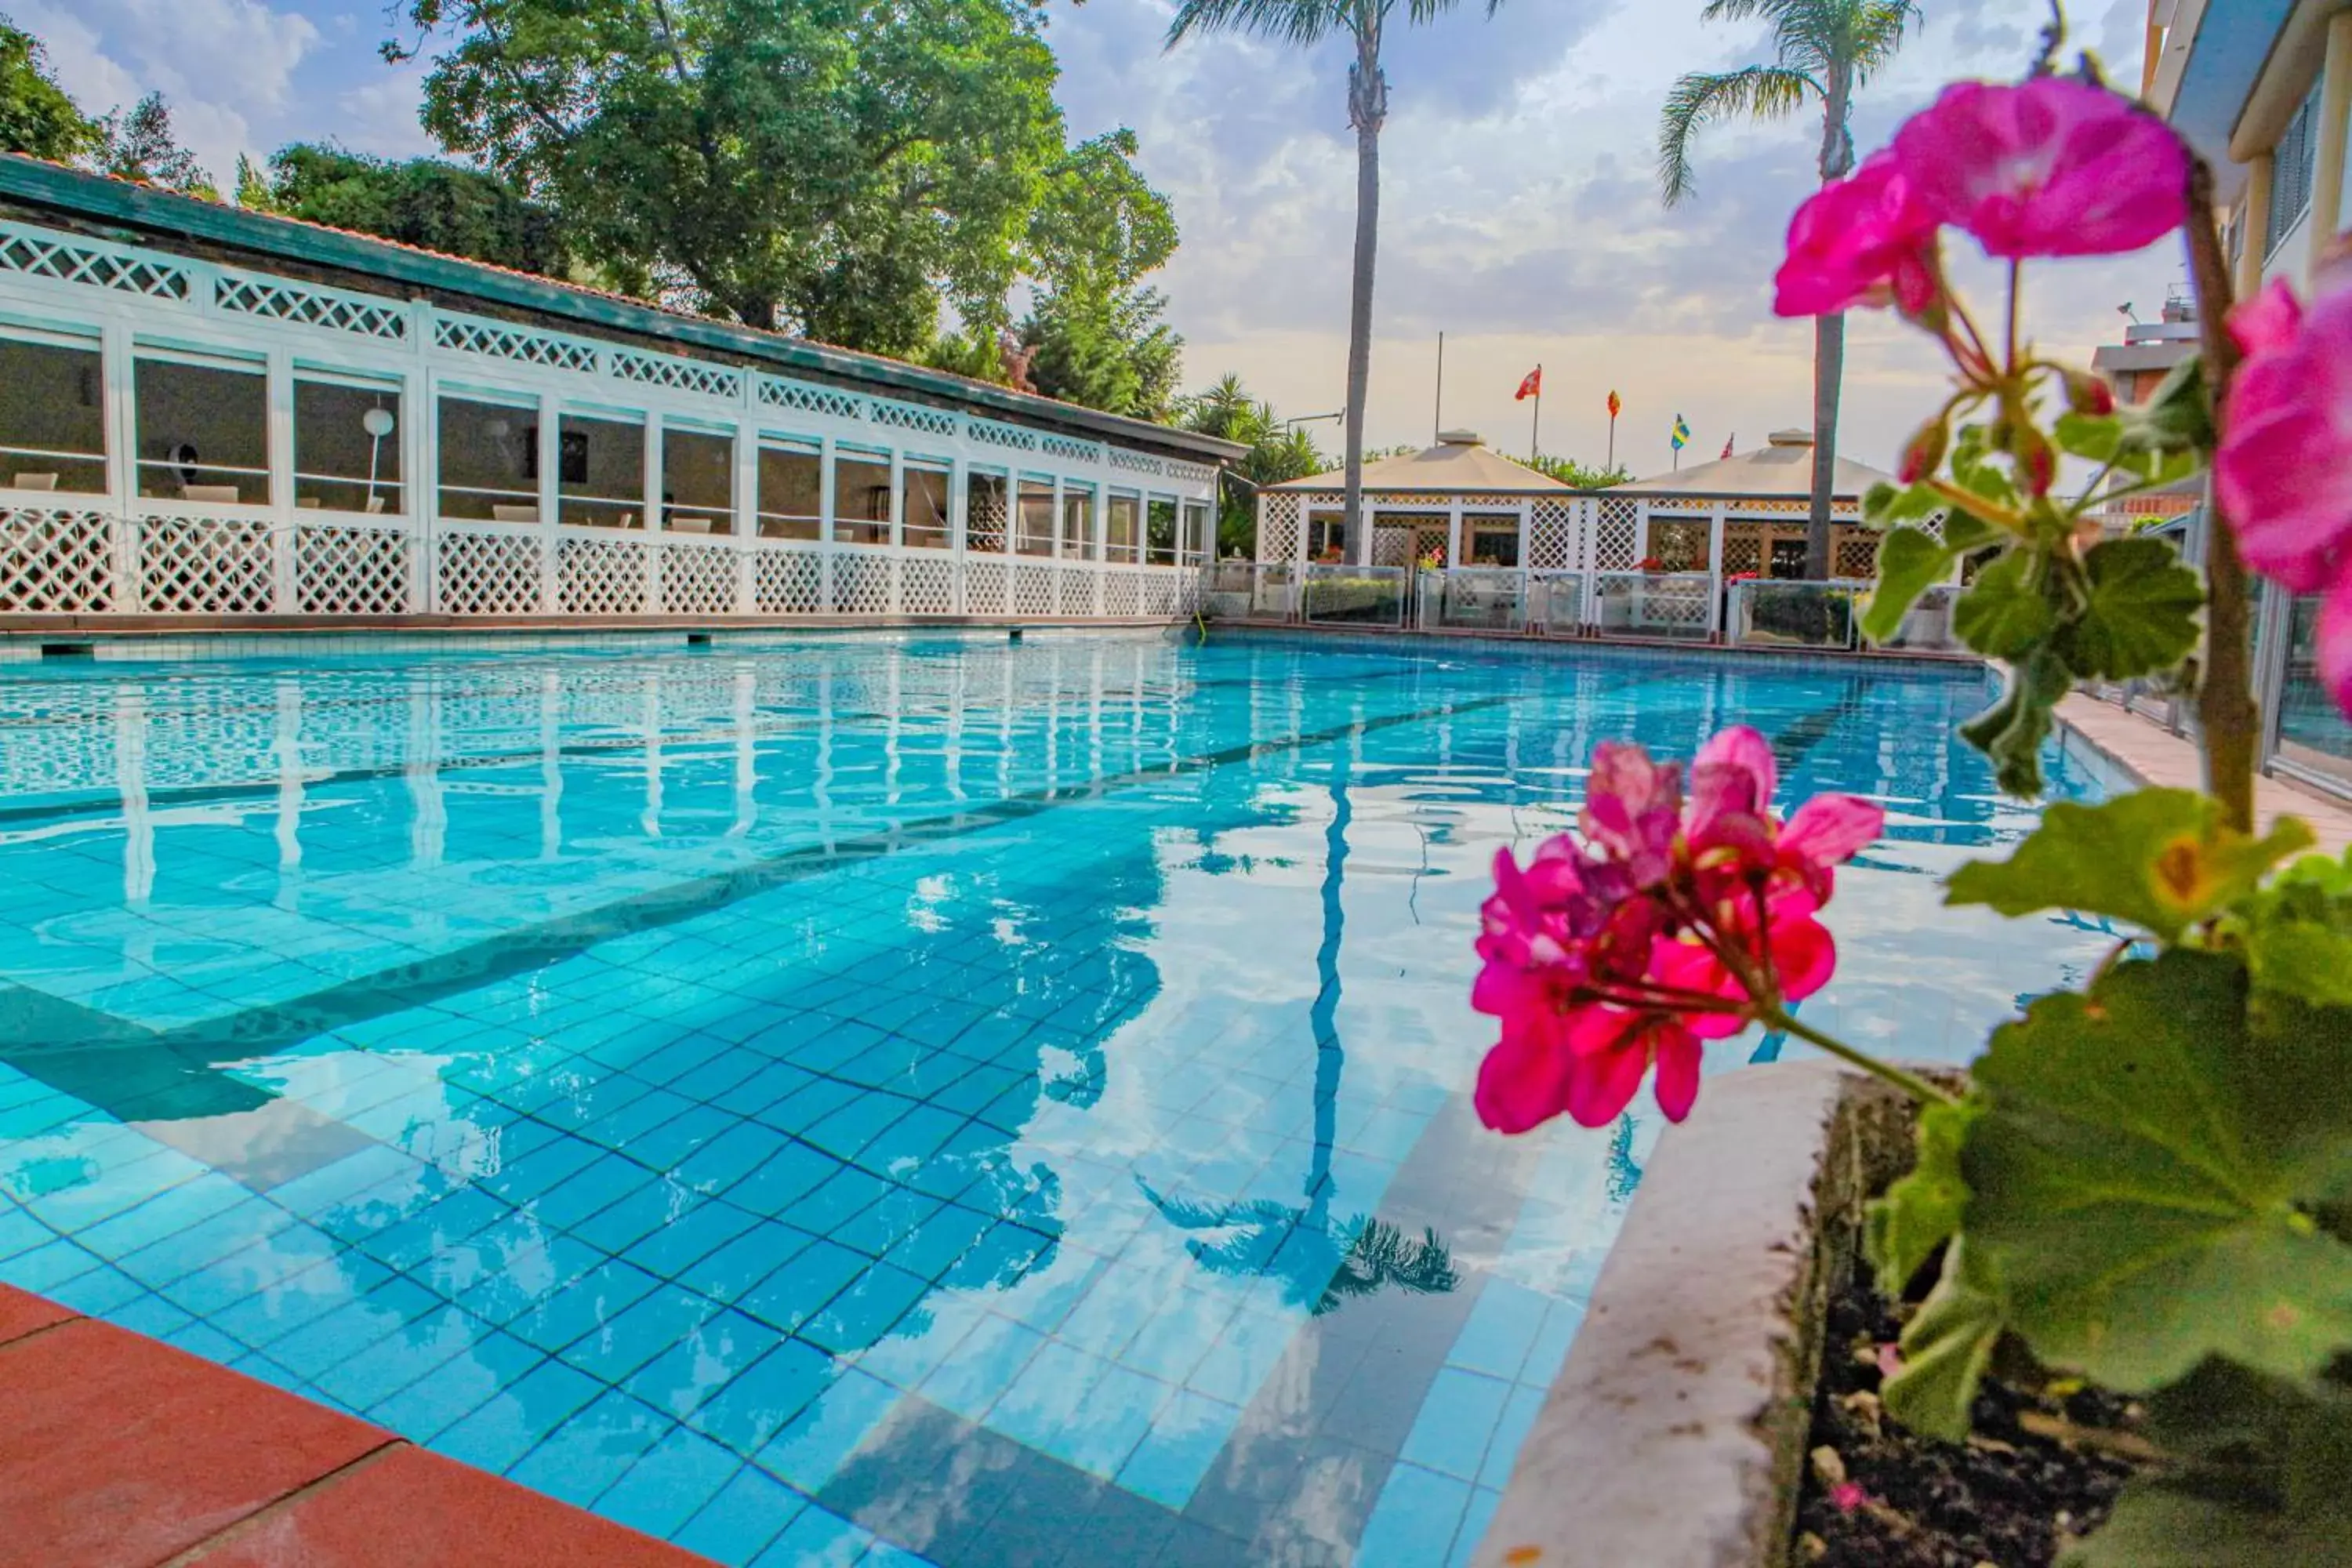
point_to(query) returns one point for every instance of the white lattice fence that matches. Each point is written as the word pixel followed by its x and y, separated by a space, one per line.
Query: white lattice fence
pixel 600 576
pixel 56 562
pixel 1856 554
pixel 984 521
pixel 489 575
pixel 987 580
pixel 1163 592
pixel 1392 546
pixel 926 585
pixel 1552 534
pixel 1277 527
pixel 1122 595
pixel 698 580
pixel 861 584
pixel 351 571
pixel 1032 588
pixel 206 566
pixel 1073 591
pixel 1617 535
pixel 788 583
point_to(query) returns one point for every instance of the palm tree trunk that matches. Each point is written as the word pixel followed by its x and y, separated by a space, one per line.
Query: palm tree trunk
pixel 1829 341
pixel 1367 108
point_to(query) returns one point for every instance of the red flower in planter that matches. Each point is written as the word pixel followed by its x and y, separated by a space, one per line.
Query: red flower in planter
pixel 1674 921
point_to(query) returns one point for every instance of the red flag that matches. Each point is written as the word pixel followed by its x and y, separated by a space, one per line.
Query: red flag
pixel 1532 386
pixel 1615 407
pixel 1726 445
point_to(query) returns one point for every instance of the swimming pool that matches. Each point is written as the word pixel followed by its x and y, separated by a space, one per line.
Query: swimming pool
pixel 884 1101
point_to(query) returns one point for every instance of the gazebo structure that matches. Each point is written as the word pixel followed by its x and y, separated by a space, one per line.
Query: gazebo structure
pixel 1464 538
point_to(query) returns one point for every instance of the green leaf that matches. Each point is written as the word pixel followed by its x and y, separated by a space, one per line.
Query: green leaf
pixel 2163 859
pixel 1884 505
pixel 1965 534
pixel 2011 731
pixel 1909 563
pixel 2143 1176
pixel 1945 1347
pixel 2002 615
pixel 2094 436
pixel 2141 614
pixel 1973 470
pixel 2298 933
pixel 2178 417
pixel 1919 1213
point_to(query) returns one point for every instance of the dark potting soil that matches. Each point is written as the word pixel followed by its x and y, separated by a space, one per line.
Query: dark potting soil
pixel 2007 1497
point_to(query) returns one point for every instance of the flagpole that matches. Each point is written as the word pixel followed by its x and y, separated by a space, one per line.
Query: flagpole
pixel 1535 425
pixel 1612 443
pixel 1437 414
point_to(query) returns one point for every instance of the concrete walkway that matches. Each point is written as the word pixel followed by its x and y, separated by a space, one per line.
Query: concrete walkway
pixel 2162 758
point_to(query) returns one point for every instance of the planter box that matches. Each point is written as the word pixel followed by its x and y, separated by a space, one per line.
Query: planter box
pixel 1674 1435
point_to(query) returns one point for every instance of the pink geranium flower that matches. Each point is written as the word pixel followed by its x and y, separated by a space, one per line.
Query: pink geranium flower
pixel 1674 923
pixel 2284 469
pixel 1862 240
pixel 2049 167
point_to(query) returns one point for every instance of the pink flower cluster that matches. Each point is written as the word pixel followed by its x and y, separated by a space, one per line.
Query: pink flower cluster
pixel 2049 167
pixel 1675 921
pixel 2284 471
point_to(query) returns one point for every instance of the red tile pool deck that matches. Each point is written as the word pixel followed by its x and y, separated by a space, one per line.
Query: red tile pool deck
pixel 122 1452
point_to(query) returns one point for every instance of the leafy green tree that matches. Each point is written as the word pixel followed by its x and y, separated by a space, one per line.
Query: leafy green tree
pixel 142 146
pixel 1097 227
pixel 830 166
pixel 1303 24
pixel 1583 476
pixel 422 202
pixel 1823 51
pixel 1278 452
pixel 36 116
pixel 1104 349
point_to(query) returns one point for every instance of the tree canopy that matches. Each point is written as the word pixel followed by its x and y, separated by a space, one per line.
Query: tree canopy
pixel 141 146
pixel 36 114
pixel 422 202
pixel 1278 451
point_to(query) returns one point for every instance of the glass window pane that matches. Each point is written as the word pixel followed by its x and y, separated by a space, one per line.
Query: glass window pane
pixel 599 472
pixel 1160 532
pixel 489 461
pixel 923 520
pixel 1327 536
pixel 1495 542
pixel 861 499
pixel 346 446
pixel 698 481
pixel 204 431
pixel 1674 546
pixel 2313 731
pixel 53 419
pixel 1123 529
pixel 1078 523
pixel 1198 544
pixel 792 494
pixel 984 513
pixel 1037 519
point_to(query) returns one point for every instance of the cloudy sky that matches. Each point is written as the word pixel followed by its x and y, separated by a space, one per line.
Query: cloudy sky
pixel 1519 215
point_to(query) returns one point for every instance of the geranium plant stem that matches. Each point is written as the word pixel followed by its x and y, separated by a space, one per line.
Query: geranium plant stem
pixel 1910 1083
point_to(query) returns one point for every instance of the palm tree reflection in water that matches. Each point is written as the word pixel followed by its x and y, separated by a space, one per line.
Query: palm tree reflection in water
pixel 1321 1265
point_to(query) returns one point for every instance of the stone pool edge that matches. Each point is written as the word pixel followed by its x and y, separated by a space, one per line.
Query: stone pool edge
pixel 1676 1430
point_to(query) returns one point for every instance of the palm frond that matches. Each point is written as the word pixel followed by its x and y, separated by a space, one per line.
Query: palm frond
pixel 1878 34
pixel 1743 10
pixel 1381 1255
pixel 1758 92
pixel 1298 23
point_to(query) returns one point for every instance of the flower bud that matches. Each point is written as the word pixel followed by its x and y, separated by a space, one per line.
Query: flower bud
pixel 2039 464
pixel 2089 394
pixel 1925 454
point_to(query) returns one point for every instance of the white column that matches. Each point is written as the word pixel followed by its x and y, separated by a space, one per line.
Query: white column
pixel 657 523
pixel 2334 120
pixel 278 455
pixel 959 522
pixel 745 525
pixel 121 466
pixel 1715 521
pixel 898 530
pixel 826 503
pixel 550 465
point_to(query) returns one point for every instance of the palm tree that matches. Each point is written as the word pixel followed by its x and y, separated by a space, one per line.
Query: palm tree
pixel 1302 23
pixel 1822 50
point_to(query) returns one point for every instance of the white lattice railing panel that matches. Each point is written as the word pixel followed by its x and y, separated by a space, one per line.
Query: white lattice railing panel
pixel 991 433
pixel 926 585
pixel 1770 506
pixel 56 562
pixel 805 399
pixel 489 573
pixel 1137 462
pixel 514 344
pixel 1076 451
pixel 909 416
pixel 1122 594
pixel 280 302
pixel 1392 546
pixel 678 374
pixel 984 523
pixel 1032 588
pixel 1617 534
pixel 1277 527
pixel 698 580
pixel 1074 590
pixel 1197 473
pixel 1743 550
pixel 351 571
pixel 204 566
pixel 788 583
pixel 1163 592
pixel 38 258
pixel 1551 534
pixel 986 581
pixel 600 576
pixel 861 584
pixel 1855 555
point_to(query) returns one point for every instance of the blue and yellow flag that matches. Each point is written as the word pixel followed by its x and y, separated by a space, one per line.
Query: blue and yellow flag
pixel 1682 432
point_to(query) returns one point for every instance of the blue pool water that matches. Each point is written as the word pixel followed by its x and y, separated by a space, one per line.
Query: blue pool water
pixel 872 1101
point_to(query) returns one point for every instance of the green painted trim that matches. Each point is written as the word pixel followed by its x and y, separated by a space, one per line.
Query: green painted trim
pixel 152 211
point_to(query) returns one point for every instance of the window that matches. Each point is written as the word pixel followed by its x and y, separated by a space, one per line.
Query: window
pixel 923 517
pixel 1123 529
pixel 2293 164
pixel 1160 532
pixel 861 497
pixel 1677 546
pixel 1494 540
pixel 1327 536
pixel 985 515
pixel 204 429
pixel 1078 522
pixel 1197 543
pixel 698 481
pixel 1036 537
pixel 601 471
pixel 346 445
pixel 791 490
pixel 490 460
pixel 53 421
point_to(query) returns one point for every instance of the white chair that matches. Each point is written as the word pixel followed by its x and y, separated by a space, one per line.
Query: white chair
pixel 35 481
pixel 503 513
pixel 226 494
